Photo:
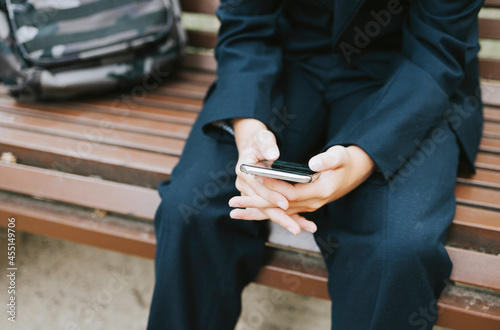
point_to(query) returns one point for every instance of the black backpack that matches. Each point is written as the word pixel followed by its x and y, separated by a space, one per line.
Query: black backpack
pixel 65 48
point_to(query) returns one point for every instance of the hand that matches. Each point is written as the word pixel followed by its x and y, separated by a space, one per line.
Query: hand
pixel 342 169
pixel 256 143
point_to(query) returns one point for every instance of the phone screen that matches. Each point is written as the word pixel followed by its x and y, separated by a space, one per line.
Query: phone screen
pixel 290 167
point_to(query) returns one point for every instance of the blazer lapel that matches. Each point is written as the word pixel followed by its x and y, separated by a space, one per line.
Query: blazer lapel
pixel 344 12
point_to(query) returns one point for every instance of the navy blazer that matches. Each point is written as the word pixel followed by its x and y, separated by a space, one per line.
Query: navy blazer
pixel 428 50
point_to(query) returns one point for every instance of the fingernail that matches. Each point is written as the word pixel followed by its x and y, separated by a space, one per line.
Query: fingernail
pixel 281 205
pixel 315 164
pixel 234 216
pixel 259 179
pixel 232 204
pixel 271 153
pixel 311 230
pixel 290 229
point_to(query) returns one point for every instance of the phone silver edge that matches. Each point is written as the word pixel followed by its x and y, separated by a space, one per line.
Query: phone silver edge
pixel 272 173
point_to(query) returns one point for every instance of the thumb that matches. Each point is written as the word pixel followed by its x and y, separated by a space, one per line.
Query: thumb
pixel 265 142
pixel 331 159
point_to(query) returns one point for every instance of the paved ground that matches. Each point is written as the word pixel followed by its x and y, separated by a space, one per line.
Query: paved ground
pixel 69 286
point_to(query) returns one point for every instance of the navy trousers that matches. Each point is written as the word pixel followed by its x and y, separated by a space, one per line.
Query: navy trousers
pixel 388 264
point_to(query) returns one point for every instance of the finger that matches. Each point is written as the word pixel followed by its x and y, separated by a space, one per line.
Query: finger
pixel 265 143
pixel 249 155
pixel 248 214
pixel 275 215
pixel 292 192
pixel 266 198
pixel 275 184
pixel 243 187
pixel 304 223
pixel 250 201
pixel 272 197
pixel 255 201
pixel 257 214
pixel 298 192
pixel 333 158
pixel 284 220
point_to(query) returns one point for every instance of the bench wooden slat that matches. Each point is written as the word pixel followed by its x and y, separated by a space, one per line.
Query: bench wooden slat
pixel 196 77
pixel 98 119
pixel 113 155
pixel 480 197
pixel 492 3
pixel 205 6
pixel 491 114
pixel 475 229
pixel 132 166
pixel 202 39
pixel 488 161
pixel 155 97
pixel 491 129
pixel 185 87
pixel 490 145
pixel 460 308
pixel 93 134
pixel 489 28
pixel 78 225
pixel 84 191
pixel 182 90
pixel 141 111
pixel 474 268
pixel 484 178
pixel 489 68
pixel 202 62
pixel 478 218
pixel 138 110
pixel 148 109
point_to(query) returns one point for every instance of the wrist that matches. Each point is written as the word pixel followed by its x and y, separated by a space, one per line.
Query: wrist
pixel 244 129
pixel 362 160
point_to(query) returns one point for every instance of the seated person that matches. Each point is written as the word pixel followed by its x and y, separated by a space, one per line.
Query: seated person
pixel 382 98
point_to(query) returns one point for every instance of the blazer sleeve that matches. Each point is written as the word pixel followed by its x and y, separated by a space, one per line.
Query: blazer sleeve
pixel 439 42
pixel 248 54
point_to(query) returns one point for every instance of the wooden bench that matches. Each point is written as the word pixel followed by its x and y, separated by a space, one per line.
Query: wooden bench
pixel 86 171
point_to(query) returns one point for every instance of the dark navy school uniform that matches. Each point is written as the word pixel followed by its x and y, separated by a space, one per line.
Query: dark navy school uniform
pixel 397 78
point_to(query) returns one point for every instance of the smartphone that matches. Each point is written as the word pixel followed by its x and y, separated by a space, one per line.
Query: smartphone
pixel 282 170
